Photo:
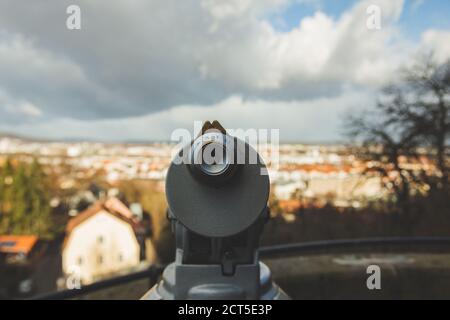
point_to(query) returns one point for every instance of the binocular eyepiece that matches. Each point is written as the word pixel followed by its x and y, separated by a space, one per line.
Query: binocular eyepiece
pixel 213 158
pixel 218 190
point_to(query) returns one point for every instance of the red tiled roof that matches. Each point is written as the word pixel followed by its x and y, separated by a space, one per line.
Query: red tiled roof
pixel 17 244
pixel 322 168
pixel 290 205
pixel 111 205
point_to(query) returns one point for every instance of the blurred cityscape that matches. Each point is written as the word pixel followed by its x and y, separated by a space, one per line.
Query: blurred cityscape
pixel 318 174
pixel 101 206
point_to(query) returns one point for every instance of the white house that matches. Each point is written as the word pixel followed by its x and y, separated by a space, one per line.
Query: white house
pixel 99 242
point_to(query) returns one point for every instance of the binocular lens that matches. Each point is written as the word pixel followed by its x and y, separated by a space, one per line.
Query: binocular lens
pixel 213 159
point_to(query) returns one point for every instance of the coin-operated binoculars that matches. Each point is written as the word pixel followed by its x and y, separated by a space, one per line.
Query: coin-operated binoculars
pixel 217 190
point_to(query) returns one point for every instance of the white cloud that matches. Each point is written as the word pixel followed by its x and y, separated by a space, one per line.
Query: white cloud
pixel 416 4
pixel 151 66
pixel 18 111
pixel 313 120
pixel 437 41
pixel 222 10
pixel 131 59
pixel 254 55
pixel 29 109
pixel 19 56
pixel 39 76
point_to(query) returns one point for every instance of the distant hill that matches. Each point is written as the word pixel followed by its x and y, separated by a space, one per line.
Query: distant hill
pixel 39 139
pixel 21 137
pixel 142 141
pixel 75 140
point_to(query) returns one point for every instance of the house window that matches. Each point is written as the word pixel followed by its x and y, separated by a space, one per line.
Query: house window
pixel 120 257
pixel 100 259
pixel 80 261
pixel 100 239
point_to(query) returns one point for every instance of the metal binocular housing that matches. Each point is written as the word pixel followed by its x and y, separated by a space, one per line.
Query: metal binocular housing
pixel 217 189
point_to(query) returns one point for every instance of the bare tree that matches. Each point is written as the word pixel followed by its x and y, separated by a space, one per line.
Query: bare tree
pixel 411 114
pixel 427 108
pixel 384 144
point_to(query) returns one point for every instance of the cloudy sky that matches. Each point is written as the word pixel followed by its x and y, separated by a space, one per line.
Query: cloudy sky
pixel 138 69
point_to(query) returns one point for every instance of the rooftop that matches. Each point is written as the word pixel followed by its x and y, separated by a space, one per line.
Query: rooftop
pixel 17 244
